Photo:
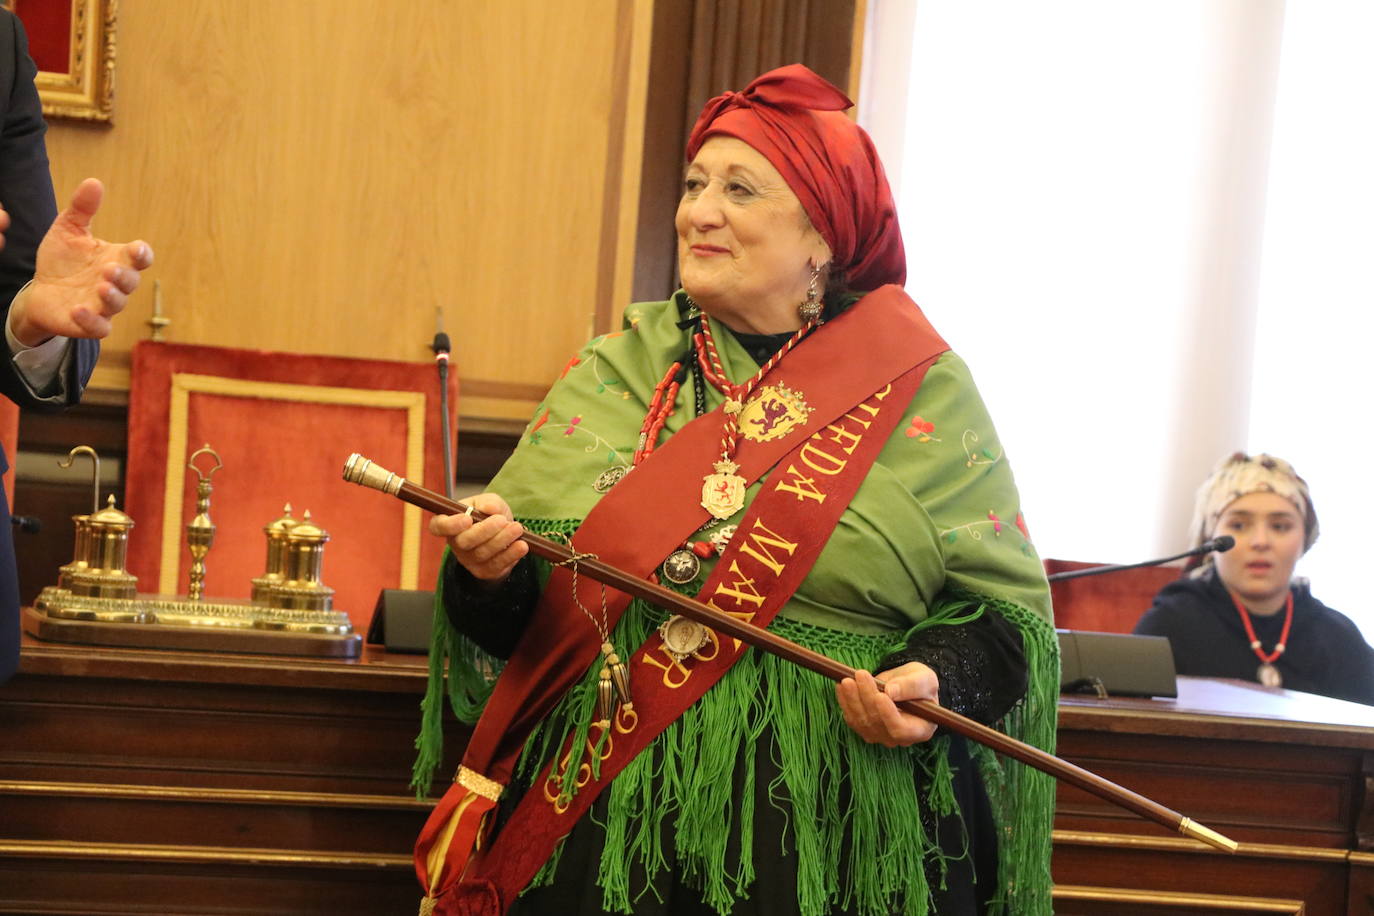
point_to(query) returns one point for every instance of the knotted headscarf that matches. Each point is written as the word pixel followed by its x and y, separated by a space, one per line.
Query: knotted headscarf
pixel 1240 475
pixel 794 119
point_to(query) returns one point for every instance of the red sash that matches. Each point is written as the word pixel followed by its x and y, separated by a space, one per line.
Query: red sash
pixel 855 406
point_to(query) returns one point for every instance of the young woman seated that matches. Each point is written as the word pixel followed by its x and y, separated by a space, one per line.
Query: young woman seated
pixel 1241 614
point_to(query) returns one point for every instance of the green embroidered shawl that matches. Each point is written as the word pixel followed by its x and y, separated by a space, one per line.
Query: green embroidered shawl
pixel 934 533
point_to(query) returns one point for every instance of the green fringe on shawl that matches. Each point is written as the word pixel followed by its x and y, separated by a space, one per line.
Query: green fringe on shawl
pixel 1023 797
pixel 689 779
pixel 471 675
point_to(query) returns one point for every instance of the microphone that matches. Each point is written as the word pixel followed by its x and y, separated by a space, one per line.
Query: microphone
pixel 441 346
pixel 1219 544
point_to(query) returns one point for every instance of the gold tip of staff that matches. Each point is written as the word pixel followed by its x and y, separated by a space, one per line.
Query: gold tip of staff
pixel 1193 830
pixel 363 472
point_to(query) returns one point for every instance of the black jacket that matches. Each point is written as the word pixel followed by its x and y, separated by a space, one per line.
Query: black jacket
pixel 1325 652
pixel 26 194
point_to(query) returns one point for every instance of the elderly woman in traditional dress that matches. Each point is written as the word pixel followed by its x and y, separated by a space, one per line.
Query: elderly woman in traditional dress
pixel 1241 614
pixel 788 439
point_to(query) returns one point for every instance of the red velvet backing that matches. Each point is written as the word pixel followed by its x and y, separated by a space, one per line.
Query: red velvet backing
pixel 279 451
pixel 1107 603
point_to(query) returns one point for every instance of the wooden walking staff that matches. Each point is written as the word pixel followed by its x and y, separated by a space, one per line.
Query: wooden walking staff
pixel 363 472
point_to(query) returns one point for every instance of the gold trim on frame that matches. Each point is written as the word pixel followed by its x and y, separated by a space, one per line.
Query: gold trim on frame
pixel 1185 902
pixel 86 91
pixel 184 384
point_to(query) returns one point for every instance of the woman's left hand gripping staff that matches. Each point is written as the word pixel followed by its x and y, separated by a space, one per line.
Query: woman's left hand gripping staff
pixel 873 713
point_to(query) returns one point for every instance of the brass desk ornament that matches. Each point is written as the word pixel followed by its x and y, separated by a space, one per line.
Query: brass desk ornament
pixel 301 588
pixel 96 601
pixel 200 531
pixel 102 544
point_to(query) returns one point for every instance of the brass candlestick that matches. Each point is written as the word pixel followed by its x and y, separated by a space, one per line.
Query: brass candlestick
pixel 200 532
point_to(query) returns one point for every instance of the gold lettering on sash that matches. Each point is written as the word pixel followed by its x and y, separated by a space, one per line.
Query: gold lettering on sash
pixel 830 465
pixel 746 616
pixel 860 420
pixel 737 590
pixel 598 736
pixel 763 541
pixel 626 719
pixel 804 487
pixel 669 666
pixel 840 436
pixel 713 642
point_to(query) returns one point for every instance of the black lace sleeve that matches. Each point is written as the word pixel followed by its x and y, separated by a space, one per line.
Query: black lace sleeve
pixel 492 618
pixel 981 665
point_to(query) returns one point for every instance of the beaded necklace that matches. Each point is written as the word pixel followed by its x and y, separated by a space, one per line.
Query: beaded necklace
pixel 722 491
pixel 1268 674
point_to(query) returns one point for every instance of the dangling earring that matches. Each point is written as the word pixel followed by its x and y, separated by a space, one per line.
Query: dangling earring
pixel 810 310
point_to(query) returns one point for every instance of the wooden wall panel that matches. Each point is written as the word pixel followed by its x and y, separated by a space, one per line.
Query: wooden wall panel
pixel 319 177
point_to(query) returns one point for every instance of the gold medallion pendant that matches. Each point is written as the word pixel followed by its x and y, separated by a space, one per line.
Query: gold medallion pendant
pixel 682 637
pixel 775 412
pixel 1269 676
pixel 722 493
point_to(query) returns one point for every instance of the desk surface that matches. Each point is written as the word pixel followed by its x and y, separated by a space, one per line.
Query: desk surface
pixel 1227 709
pixel 374 670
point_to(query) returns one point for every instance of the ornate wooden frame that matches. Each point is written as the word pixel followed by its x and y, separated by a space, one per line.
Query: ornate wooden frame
pixel 85 91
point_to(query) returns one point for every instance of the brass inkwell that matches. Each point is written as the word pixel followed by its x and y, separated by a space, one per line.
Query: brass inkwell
pixel 96 600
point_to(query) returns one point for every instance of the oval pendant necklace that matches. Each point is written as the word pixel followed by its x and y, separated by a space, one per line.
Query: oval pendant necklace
pixel 1268 674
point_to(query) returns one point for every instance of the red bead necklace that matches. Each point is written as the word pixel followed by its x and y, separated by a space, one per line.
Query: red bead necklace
pixel 1268 674
pixel 736 395
pixel 683 564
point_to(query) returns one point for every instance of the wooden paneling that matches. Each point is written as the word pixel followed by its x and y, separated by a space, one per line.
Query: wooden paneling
pixel 319 177
pixel 201 783
pixel 700 49
pixel 1282 773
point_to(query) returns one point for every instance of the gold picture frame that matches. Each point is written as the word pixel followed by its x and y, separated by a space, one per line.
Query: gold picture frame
pixel 83 87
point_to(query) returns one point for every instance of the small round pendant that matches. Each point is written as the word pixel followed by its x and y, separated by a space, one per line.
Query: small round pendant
pixel 1269 676
pixel 682 637
pixel 681 566
pixel 609 478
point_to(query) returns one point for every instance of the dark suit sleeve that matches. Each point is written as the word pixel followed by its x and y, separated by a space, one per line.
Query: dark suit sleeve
pixel 26 194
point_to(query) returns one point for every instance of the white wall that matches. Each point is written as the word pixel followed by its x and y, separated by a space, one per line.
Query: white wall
pixel 1085 194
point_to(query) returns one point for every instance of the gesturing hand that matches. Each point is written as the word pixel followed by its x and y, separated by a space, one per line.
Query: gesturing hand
pixel 80 282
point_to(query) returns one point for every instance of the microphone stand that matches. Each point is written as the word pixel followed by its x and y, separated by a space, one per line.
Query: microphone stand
pixel 440 346
pixel 1219 544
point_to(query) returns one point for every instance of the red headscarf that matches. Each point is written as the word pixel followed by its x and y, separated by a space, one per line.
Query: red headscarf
pixel 793 117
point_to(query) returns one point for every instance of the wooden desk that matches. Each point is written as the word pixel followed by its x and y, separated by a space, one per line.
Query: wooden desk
pixel 141 781
pixel 1284 773
pixel 138 781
